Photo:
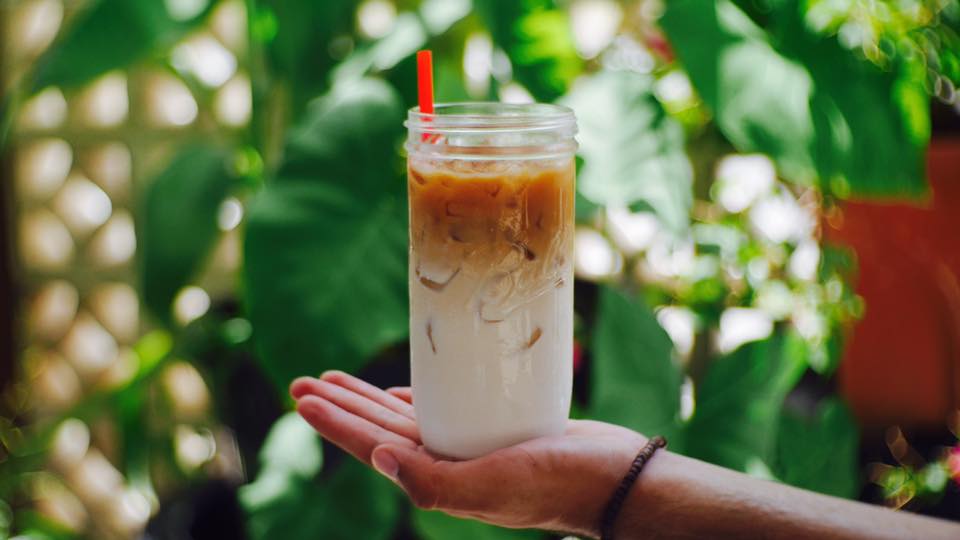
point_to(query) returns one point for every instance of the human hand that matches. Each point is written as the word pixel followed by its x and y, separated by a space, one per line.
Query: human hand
pixel 556 483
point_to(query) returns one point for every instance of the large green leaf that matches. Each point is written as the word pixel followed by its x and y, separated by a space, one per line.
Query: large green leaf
pixel 178 221
pixel 634 379
pixel 632 151
pixel 393 54
pixel 288 500
pixel 405 38
pixel 325 256
pixel 111 34
pixel 738 405
pixel 299 52
pixel 761 100
pixel 538 39
pixel 871 126
pixel 822 113
pixel 354 502
pixel 820 453
pixel 431 525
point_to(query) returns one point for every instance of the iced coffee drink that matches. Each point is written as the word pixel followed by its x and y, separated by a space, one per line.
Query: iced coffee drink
pixel 491 191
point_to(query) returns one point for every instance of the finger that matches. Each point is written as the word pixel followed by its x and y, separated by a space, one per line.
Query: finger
pixel 368 391
pixel 354 434
pixel 451 486
pixel 302 386
pixel 367 409
pixel 402 392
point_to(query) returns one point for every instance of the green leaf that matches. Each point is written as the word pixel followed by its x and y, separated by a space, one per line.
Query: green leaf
pixel 871 126
pixel 151 349
pixel 393 54
pixel 823 114
pixel 299 52
pixel 738 404
pixel 633 151
pixel 933 478
pixel 6 519
pixel 129 408
pixel 820 453
pixel 290 459
pixel 353 502
pixel 634 379
pixel 326 241
pixel 407 36
pixel 538 39
pixel 761 100
pixel 32 525
pixel 439 526
pixel 111 34
pixel 293 447
pixel 586 210
pixel 178 224
pixel 439 15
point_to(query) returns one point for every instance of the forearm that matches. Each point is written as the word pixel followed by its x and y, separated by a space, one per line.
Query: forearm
pixel 679 497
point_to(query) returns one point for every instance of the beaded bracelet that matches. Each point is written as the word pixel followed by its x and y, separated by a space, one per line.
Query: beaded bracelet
pixel 620 495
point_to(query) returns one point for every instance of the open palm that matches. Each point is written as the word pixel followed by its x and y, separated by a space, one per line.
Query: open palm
pixel 557 483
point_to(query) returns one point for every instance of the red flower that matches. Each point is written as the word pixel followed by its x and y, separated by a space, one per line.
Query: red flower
pixel 953 463
pixel 659 45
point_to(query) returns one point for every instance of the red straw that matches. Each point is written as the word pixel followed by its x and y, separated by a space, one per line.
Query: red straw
pixel 425 89
pixel 425 81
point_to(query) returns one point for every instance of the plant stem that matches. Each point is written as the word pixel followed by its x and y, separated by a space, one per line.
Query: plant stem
pixel 270 97
pixel 700 357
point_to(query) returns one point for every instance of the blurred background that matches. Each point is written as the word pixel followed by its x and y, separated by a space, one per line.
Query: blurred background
pixel 202 199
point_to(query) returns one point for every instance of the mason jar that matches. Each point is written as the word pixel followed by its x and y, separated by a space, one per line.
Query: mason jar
pixel 491 193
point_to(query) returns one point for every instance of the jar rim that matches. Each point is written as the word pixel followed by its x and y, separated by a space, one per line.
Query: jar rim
pixel 483 115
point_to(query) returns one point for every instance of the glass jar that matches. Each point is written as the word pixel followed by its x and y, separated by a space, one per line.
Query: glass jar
pixel 491 192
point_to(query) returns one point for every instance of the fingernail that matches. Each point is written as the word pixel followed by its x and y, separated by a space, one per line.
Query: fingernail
pixel 386 464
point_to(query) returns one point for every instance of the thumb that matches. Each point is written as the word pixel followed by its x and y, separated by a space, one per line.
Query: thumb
pixel 430 483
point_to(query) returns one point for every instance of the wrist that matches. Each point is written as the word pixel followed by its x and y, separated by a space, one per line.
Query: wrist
pixel 598 484
pixel 648 498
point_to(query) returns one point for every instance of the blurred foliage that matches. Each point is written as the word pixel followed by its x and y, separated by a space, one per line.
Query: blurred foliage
pixel 636 382
pixel 914 482
pixel 112 34
pixel 293 32
pixel 739 403
pixel 536 36
pixel 817 110
pixel 887 31
pixel 179 222
pixel 353 502
pixel 821 442
pixel 714 138
pixel 625 133
pixel 331 221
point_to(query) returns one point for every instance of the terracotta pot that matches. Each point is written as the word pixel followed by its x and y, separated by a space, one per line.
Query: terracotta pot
pixel 902 361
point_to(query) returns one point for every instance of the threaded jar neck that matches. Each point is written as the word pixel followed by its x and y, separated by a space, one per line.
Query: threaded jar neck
pixel 488 130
